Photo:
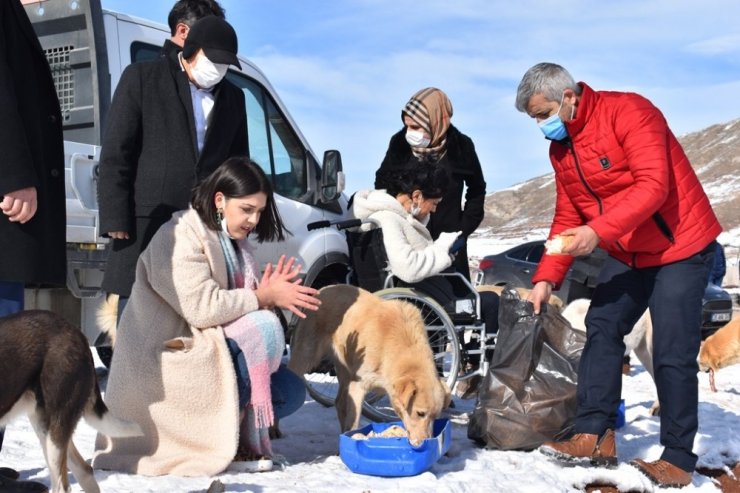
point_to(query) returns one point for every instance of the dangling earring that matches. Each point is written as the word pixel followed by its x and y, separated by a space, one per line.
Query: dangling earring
pixel 222 222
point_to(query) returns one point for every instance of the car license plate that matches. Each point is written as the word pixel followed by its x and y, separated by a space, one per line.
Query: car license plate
pixel 720 317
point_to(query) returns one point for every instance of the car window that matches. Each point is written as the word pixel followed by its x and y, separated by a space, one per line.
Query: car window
pixel 535 254
pixel 272 142
pixel 142 52
pixel 519 253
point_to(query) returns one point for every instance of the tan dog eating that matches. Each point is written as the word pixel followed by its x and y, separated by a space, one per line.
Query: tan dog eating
pixel 720 349
pixel 376 345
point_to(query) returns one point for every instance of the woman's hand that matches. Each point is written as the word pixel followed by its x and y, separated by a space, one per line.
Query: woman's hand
pixel 279 287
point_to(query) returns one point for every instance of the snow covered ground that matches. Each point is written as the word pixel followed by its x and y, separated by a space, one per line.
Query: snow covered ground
pixel 310 447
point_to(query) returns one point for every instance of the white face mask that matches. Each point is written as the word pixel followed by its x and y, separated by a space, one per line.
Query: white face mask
pixel 416 138
pixel 207 74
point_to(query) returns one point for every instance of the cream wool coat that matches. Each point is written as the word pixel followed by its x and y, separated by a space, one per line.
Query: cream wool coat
pixel 412 255
pixel 186 400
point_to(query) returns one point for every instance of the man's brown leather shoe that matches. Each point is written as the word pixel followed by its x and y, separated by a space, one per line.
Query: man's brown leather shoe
pixel 584 449
pixel 663 473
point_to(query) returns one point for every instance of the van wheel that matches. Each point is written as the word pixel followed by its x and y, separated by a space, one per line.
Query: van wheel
pixel 105 353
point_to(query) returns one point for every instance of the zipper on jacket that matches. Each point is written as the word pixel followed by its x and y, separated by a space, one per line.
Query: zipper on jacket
pixel 582 177
pixel 663 227
pixel 572 148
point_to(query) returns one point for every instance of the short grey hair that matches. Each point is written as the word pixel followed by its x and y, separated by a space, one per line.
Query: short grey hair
pixel 550 79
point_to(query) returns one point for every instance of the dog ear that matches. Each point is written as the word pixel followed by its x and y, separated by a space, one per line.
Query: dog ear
pixel 405 391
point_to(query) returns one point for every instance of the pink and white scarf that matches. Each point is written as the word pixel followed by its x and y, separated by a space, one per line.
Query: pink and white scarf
pixel 259 335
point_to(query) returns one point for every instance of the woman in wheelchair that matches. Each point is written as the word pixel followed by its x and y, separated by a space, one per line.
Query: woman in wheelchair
pixel 403 209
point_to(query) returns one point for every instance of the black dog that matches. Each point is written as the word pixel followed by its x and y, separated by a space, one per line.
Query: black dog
pixel 47 372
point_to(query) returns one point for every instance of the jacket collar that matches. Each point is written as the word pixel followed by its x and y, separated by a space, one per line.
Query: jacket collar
pixel 585 109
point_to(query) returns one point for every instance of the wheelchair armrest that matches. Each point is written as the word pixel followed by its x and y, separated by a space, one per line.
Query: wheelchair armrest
pixel 468 285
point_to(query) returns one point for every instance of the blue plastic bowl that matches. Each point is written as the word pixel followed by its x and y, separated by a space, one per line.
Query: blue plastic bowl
pixel 393 457
pixel 620 415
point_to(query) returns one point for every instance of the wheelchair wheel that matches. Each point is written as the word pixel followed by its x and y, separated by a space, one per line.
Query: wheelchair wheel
pixel 322 384
pixel 321 381
pixel 442 339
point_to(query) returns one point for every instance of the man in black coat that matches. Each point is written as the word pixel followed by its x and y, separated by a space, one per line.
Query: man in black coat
pixel 428 113
pixel 33 219
pixel 170 125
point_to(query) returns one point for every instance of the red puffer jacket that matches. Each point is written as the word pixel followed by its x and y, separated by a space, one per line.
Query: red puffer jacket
pixel 625 175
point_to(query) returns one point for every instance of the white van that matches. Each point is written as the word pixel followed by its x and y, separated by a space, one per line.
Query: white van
pixel 88 49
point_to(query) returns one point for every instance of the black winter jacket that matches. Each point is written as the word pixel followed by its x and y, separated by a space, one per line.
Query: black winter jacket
pixel 32 155
pixel 150 162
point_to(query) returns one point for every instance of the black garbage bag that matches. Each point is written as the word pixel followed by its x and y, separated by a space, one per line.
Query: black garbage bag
pixel 529 393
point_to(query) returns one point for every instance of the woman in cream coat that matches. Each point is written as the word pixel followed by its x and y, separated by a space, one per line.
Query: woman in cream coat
pixel 172 372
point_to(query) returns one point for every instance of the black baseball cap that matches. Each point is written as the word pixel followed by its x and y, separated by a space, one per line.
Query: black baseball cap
pixel 216 37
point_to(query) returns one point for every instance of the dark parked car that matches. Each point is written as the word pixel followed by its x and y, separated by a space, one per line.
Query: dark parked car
pixel 517 265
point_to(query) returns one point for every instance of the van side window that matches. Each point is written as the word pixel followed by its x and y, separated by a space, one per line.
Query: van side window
pixel 142 52
pixel 272 143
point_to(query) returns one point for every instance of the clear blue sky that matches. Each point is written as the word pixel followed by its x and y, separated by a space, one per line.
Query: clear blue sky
pixel 345 68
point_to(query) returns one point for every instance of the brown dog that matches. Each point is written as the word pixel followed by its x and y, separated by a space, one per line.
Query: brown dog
pixel 375 344
pixel 48 373
pixel 721 349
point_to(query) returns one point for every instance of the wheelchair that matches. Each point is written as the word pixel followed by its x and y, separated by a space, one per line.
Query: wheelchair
pixel 456 331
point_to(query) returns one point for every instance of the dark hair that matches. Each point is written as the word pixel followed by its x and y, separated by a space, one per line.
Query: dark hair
pixel 189 11
pixel 431 179
pixel 239 177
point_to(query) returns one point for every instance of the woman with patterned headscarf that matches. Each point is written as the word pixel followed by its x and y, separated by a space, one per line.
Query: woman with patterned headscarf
pixel 428 135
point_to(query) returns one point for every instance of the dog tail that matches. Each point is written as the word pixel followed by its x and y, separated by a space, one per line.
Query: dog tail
pixel 107 317
pixel 99 417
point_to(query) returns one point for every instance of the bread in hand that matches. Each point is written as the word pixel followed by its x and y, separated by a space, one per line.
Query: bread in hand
pixel 556 244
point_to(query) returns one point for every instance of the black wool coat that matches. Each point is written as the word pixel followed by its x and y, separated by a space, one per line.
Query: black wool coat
pixel 150 163
pixel 461 161
pixel 31 154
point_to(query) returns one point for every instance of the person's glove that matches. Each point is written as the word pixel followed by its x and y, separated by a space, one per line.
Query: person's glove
pixel 446 240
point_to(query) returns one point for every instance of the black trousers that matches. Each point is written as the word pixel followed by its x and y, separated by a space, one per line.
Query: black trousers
pixel 674 294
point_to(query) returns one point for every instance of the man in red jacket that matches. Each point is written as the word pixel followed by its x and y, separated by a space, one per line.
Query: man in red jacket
pixel 624 183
